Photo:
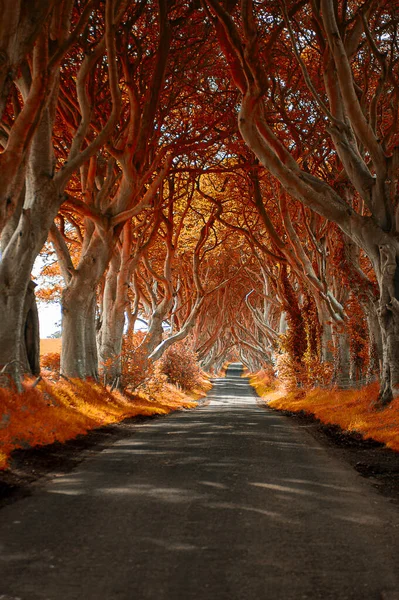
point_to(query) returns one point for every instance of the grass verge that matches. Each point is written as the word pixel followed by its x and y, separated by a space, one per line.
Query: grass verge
pixel 352 410
pixel 60 411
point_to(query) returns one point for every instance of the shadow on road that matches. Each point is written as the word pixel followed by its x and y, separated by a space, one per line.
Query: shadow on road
pixel 227 502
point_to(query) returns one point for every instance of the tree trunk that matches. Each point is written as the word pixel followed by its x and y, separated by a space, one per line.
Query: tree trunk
pixel 375 347
pixel 158 350
pixel 110 334
pixel 207 363
pixel 114 303
pixel 341 374
pixel 79 351
pixel 326 341
pixel 110 346
pixel 154 335
pixel 11 328
pixel 30 346
pixel 283 323
pixel 19 332
pixel 19 329
pixel 388 312
pixel 79 357
pixel 21 241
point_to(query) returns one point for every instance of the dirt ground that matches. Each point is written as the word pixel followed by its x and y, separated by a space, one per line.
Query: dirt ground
pixel 33 467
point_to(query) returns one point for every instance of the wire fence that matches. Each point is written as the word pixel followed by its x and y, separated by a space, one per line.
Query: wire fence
pixel 347 383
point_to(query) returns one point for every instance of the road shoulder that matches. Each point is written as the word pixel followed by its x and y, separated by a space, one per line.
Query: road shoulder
pixel 371 459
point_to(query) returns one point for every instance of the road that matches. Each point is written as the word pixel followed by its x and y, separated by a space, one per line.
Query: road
pixel 228 502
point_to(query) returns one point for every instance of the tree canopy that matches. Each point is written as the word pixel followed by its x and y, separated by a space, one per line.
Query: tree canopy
pixel 225 170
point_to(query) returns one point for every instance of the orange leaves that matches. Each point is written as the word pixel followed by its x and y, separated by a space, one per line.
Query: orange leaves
pixel 49 294
pixel 58 412
pixel 294 341
pixel 50 361
pixel 136 368
pixel 179 364
pixel 352 410
pixel 264 381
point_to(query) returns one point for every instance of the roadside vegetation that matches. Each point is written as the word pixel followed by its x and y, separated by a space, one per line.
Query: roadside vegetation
pixel 206 172
pixel 353 410
pixel 58 409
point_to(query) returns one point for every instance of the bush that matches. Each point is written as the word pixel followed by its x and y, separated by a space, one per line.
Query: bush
pixel 137 370
pixel 179 364
pixel 306 374
pixel 266 376
pixel 291 372
pixel 51 361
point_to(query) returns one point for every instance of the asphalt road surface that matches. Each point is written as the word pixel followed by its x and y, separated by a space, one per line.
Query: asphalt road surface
pixel 227 502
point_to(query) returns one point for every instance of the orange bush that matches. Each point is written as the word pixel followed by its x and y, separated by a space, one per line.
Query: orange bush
pixel 305 374
pixel 291 372
pixel 179 364
pixel 51 361
pixel 264 381
pixel 137 370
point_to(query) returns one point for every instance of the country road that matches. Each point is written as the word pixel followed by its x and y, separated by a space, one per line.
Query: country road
pixel 227 502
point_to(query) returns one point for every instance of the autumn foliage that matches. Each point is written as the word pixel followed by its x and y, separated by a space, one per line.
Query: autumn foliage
pixel 264 381
pixel 225 172
pixel 137 369
pixel 352 410
pixel 60 411
pixel 179 364
pixel 51 361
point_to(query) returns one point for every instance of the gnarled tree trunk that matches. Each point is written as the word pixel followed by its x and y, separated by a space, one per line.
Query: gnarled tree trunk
pixel 30 346
pixel 79 357
pixel 19 330
pixel 341 373
pixel 388 312
pixel 79 350
pixel 19 333
pixel 375 346
pixel 110 334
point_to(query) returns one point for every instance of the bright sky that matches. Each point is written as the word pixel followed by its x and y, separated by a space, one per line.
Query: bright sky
pixel 49 318
pixel 49 312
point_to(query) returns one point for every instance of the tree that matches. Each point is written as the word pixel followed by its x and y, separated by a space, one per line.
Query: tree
pixel 357 118
pixel 29 161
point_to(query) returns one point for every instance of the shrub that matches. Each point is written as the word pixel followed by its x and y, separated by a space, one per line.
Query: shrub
pixel 137 370
pixel 268 377
pixel 179 364
pixel 264 381
pixel 51 361
pixel 305 374
pixel 291 372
